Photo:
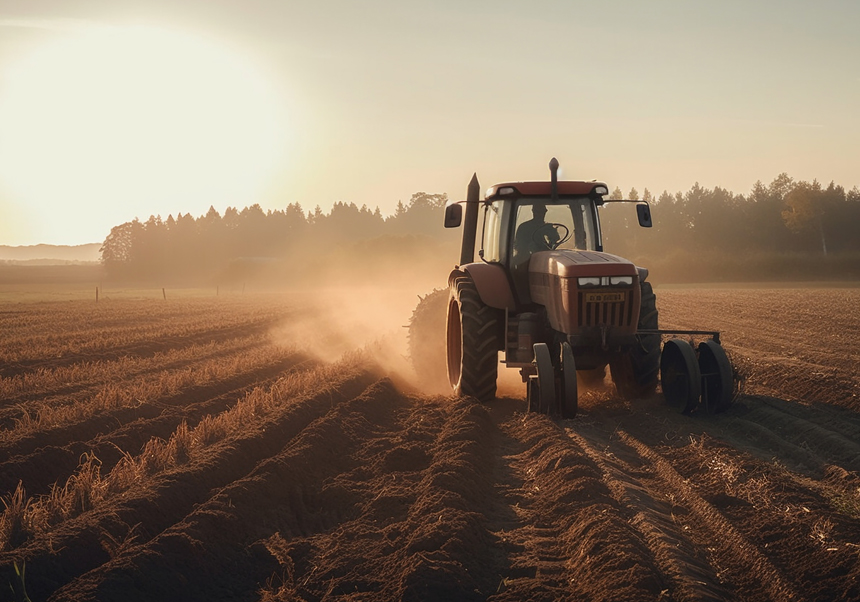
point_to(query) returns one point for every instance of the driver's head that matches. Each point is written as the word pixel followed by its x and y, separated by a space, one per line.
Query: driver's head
pixel 539 210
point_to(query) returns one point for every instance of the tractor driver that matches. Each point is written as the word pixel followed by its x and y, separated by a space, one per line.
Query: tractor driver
pixel 527 240
pixel 532 236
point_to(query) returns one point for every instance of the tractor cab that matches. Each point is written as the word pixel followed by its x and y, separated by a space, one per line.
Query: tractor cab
pixel 523 218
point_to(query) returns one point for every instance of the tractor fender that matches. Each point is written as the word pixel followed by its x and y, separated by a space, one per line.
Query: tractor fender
pixel 492 283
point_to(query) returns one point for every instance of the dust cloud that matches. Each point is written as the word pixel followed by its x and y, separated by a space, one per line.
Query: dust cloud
pixel 364 301
pixel 332 322
pixel 510 383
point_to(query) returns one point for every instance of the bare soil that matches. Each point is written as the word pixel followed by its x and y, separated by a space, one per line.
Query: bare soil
pixel 354 484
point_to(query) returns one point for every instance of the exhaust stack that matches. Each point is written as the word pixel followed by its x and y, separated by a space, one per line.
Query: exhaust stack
pixel 553 170
pixel 470 227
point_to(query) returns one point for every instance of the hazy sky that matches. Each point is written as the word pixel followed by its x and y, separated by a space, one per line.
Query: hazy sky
pixel 113 109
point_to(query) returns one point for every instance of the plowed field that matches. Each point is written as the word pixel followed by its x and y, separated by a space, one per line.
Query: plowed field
pixel 263 447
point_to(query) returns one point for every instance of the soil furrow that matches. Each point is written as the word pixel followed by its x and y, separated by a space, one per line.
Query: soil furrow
pixel 155 504
pixel 805 443
pixel 630 478
pixel 147 347
pixel 805 527
pixel 63 391
pixel 420 531
pixel 217 551
pixel 752 569
pixel 573 539
pixel 47 465
pixel 108 421
pixel 329 483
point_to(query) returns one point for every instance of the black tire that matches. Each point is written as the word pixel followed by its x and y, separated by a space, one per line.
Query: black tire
pixel 474 338
pixel 680 375
pixel 427 339
pixel 718 383
pixel 635 373
pixel 568 390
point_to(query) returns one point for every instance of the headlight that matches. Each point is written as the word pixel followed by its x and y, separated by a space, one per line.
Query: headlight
pixel 605 281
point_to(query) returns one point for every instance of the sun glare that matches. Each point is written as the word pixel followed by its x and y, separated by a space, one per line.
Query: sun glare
pixel 136 120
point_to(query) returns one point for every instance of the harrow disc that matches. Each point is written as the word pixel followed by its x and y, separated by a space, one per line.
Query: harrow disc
pixel 717 377
pixel 680 375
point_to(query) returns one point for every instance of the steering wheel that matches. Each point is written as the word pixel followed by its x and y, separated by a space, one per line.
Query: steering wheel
pixel 552 235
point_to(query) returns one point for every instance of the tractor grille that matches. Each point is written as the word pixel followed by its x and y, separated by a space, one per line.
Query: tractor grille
pixel 619 313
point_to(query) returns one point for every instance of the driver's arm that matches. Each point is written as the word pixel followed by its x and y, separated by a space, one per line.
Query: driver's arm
pixel 551 238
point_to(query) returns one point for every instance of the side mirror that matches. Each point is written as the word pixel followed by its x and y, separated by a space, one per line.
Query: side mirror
pixel 453 215
pixel 643 211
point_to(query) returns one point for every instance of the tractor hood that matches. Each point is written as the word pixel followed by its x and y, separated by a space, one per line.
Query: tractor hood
pixel 574 264
pixel 601 306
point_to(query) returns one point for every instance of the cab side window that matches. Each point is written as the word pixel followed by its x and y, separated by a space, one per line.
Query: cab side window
pixel 492 232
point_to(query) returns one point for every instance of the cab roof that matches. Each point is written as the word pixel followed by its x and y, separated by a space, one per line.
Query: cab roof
pixel 565 188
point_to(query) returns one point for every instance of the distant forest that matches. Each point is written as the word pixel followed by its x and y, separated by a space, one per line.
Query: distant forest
pixel 229 247
pixel 785 230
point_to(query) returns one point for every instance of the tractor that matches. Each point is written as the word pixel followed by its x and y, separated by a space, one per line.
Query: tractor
pixel 534 283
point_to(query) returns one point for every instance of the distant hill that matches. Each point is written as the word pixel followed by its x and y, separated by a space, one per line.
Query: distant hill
pixel 50 254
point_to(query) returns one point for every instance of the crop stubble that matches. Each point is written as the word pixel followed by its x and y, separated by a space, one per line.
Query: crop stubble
pixel 288 478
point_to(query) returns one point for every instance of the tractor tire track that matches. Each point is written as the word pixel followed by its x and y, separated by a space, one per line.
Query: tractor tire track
pixel 737 525
pixel 571 537
pixel 641 478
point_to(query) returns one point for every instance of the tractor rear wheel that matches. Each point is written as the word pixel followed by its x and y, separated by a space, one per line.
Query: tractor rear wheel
pixel 635 373
pixel 474 339
pixel 427 339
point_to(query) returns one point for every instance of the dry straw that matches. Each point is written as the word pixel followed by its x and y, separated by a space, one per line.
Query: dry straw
pixel 26 518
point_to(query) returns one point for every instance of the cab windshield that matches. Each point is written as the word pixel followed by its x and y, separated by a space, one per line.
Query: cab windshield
pixel 543 226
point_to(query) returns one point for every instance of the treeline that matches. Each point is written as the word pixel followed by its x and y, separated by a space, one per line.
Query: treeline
pixel 783 216
pixel 785 230
pixel 228 246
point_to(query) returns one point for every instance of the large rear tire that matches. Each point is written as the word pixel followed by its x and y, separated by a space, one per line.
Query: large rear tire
pixel 474 339
pixel 427 339
pixel 635 373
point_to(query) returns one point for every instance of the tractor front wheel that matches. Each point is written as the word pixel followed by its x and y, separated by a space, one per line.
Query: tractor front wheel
pixel 474 339
pixel 635 373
